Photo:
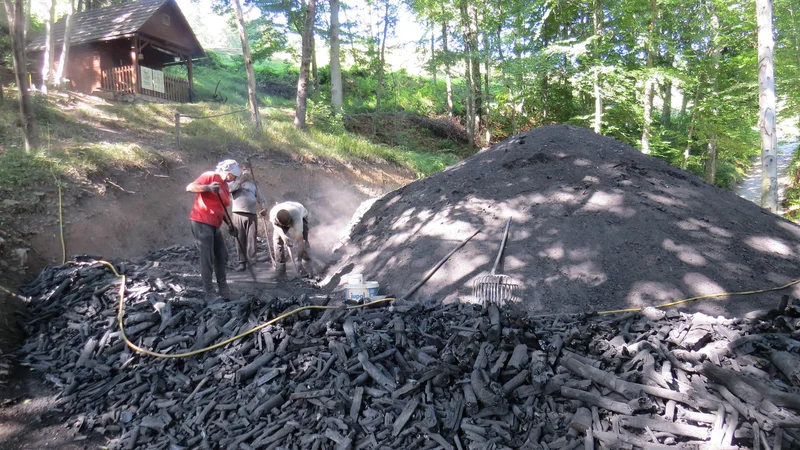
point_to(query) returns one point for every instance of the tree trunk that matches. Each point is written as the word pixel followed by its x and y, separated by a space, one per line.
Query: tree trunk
pixel 61 72
pixel 433 55
pixel 305 62
pixel 666 110
pixel 688 150
pixel 648 84
pixel 716 55
pixel 684 102
pixel 711 159
pixel 336 68
pixel 597 22
pixel 49 47
pixel 26 12
pixel 470 101
pixel 381 61
pixel 486 55
pixel 508 83
pixel 766 106
pixel 469 74
pixel 448 81
pixel 314 73
pixel 255 116
pixel 16 27
pixel 476 68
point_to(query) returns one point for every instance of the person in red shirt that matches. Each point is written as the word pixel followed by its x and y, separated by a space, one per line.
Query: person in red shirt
pixel 206 217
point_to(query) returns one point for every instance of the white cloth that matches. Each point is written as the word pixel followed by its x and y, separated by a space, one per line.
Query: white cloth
pixel 298 213
pixel 229 166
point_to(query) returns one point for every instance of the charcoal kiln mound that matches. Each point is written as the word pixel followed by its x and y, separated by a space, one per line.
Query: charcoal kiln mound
pixel 595 225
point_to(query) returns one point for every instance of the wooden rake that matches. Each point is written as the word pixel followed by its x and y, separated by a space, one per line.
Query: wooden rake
pixel 494 288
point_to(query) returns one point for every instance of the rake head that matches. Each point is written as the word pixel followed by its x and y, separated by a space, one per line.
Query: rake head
pixel 497 289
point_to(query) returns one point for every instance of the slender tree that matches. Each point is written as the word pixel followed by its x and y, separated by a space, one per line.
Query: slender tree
pixel 305 62
pixel 336 69
pixel 382 61
pixel 61 72
pixel 49 47
pixel 648 84
pixel 16 26
pixel 716 56
pixel 597 22
pixel 255 115
pixel 767 105
pixel 447 79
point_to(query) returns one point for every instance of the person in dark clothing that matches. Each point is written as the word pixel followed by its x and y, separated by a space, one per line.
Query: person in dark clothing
pixel 246 197
pixel 206 217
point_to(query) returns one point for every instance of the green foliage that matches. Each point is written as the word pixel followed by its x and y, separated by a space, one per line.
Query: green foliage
pixel 792 194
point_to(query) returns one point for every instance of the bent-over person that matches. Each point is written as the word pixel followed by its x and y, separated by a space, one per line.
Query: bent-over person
pixel 290 224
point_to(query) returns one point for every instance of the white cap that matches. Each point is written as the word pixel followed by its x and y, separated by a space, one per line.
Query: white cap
pixel 229 166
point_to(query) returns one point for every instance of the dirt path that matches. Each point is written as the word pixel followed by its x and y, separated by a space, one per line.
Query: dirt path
pixel 750 188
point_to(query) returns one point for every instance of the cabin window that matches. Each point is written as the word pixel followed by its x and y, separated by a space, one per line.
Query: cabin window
pixel 165 19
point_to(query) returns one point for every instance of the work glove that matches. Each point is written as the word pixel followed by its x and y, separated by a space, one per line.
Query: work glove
pixel 213 187
pixel 233 231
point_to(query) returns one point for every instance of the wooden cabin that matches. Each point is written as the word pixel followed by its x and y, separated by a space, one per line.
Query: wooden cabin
pixel 124 49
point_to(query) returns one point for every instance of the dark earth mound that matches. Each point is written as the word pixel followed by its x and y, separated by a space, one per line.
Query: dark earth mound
pixel 595 224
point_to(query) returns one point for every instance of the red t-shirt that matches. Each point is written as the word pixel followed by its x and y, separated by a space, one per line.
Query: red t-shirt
pixel 207 208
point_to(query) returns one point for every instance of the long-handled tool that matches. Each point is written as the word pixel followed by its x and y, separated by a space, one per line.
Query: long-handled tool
pixel 494 288
pixel 237 237
pixel 433 270
pixel 261 218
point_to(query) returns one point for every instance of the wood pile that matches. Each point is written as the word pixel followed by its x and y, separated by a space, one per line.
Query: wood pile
pixel 405 376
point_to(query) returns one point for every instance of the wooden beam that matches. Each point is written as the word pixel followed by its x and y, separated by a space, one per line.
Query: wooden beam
pixel 189 71
pixel 177 49
pixel 137 87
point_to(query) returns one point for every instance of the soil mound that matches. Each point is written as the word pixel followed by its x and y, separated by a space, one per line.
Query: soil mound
pixel 595 224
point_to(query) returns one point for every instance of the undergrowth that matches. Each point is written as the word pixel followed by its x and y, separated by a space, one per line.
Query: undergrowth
pixel 72 150
pixel 791 202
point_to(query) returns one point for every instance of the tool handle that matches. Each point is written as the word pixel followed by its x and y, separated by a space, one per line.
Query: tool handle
pixel 436 267
pixel 502 246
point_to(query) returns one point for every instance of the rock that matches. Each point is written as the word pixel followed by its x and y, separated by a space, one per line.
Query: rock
pixel 22 255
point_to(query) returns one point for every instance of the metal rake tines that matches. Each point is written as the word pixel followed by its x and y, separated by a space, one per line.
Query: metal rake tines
pixel 496 289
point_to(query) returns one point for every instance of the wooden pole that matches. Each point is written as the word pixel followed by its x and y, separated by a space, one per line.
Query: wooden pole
pixel 178 129
pixel 135 60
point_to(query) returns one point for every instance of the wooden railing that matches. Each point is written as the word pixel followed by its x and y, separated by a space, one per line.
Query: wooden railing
pixel 122 79
pixel 119 79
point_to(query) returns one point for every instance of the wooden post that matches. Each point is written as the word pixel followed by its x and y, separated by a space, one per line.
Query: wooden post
pixel 189 71
pixel 178 129
pixel 135 60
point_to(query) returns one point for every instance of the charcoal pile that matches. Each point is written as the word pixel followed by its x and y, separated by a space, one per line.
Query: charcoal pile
pixel 595 223
pixel 403 375
pixel 5 368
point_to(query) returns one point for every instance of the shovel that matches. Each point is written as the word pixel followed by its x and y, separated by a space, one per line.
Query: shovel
pixel 494 288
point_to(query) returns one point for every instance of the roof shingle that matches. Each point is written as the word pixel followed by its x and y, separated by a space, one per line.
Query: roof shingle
pixel 103 24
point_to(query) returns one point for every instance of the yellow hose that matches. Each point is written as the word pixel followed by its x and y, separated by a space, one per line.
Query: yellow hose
pixel 60 221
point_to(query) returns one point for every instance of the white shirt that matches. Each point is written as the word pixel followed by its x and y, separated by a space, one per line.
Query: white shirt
pixel 298 213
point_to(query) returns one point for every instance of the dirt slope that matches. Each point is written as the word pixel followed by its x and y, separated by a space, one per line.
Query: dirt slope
pixel 595 224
